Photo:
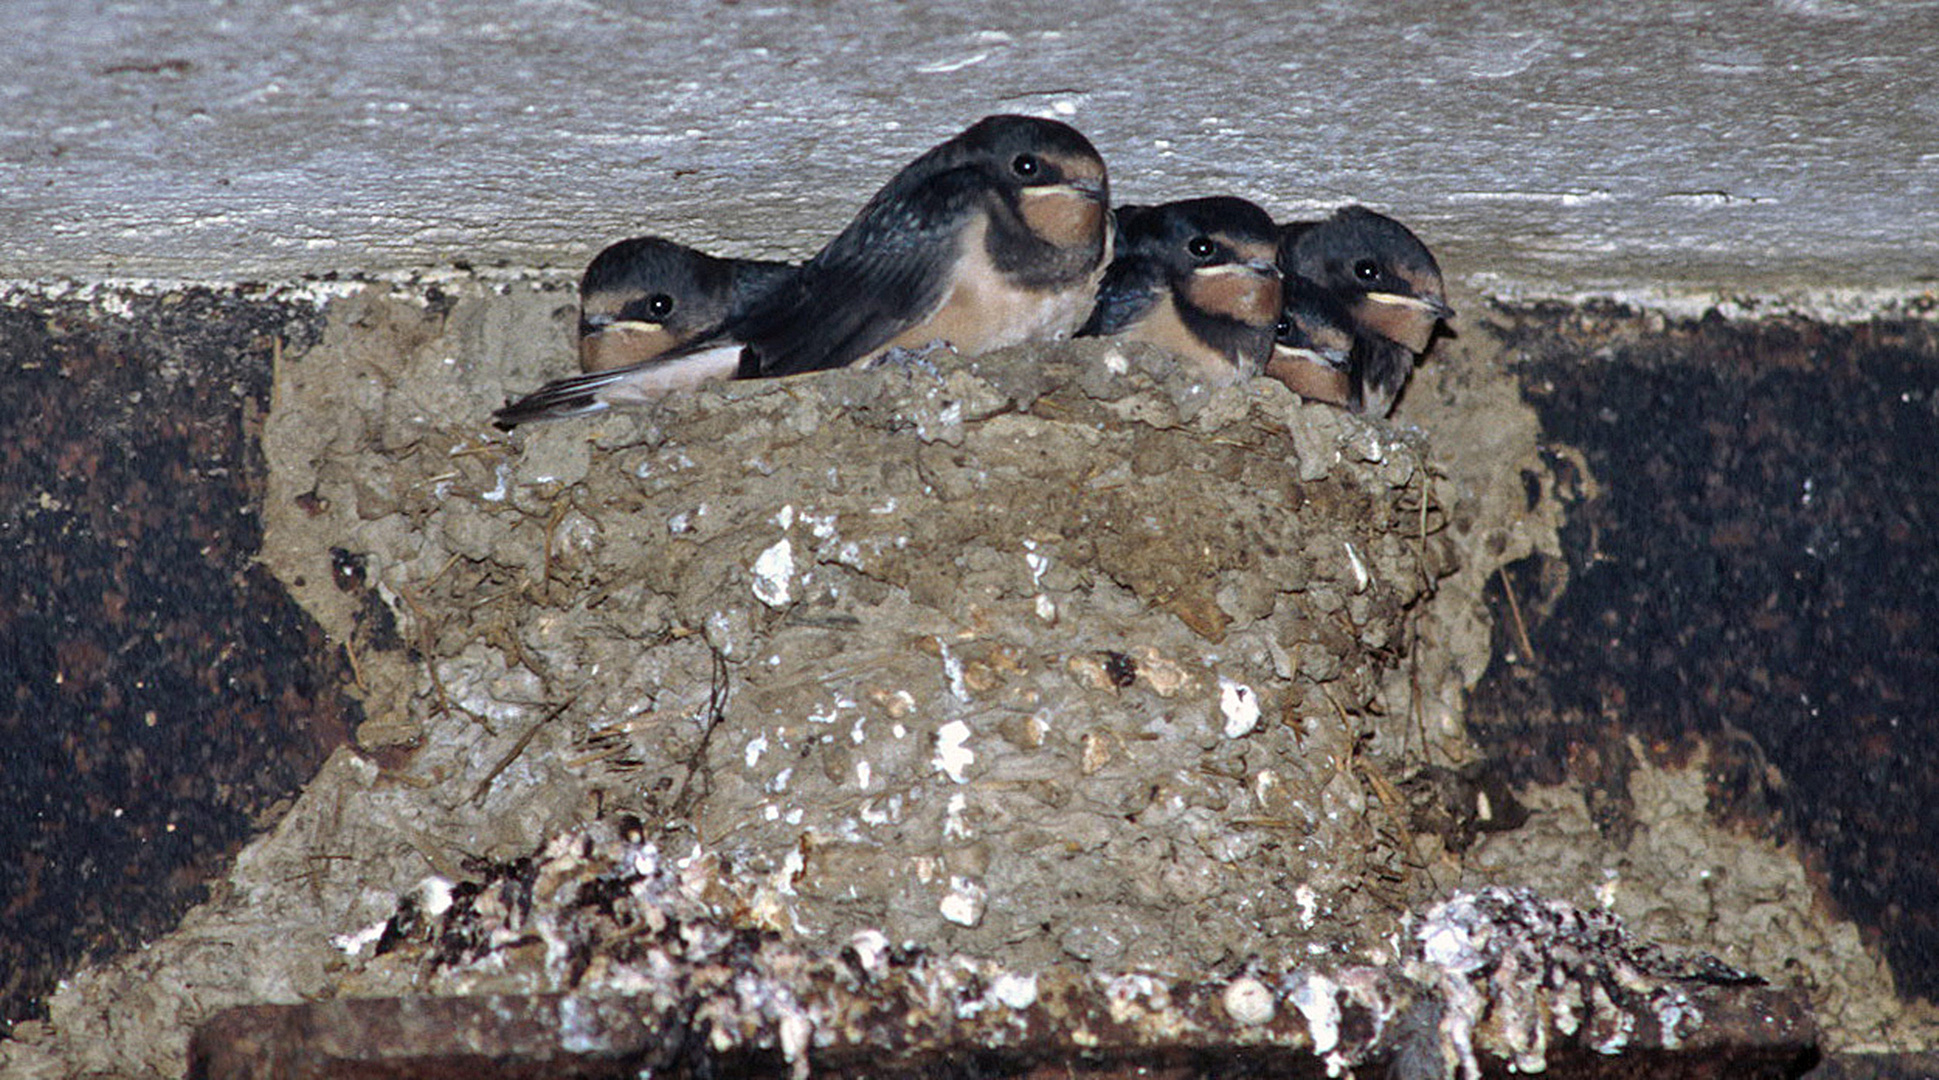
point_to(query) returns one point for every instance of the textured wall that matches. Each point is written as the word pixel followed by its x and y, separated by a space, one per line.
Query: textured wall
pixel 1742 145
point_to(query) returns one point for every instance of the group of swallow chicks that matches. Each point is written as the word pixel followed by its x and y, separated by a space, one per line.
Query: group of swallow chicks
pixel 1005 234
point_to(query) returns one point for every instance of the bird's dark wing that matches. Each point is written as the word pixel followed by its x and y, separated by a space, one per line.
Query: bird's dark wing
pixel 754 279
pixel 882 275
pixel 1130 288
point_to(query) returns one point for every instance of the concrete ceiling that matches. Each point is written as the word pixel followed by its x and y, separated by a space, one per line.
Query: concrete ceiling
pixel 1742 146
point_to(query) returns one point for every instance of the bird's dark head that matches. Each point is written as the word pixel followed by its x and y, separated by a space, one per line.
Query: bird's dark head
pixel 1217 251
pixel 642 297
pixel 1313 325
pixel 1313 344
pixel 1377 266
pixel 1049 172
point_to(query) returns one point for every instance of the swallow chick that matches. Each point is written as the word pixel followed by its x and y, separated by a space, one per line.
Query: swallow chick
pixel 1314 344
pixel 995 237
pixel 1198 278
pixel 653 318
pixel 1388 281
pixel 643 297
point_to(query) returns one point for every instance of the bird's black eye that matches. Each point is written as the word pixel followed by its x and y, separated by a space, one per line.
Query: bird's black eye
pixel 1200 247
pixel 659 305
pixel 1366 270
pixel 1026 165
pixel 1282 328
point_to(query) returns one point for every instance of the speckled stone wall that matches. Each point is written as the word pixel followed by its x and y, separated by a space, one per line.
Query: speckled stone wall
pixel 1748 567
pixel 494 623
pixel 167 698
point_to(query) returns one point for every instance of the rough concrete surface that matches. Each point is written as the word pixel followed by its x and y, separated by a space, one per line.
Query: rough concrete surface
pixel 780 620
pixel 1682 879
pixel 1721 581
pixel 601 956
pixel 164 695
pixel 783 620
pixel 1043 655
pixel 1746 145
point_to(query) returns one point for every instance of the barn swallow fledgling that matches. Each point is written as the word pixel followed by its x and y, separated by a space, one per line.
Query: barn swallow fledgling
pixel 1197 277
pixel 646 296
pixel 653 319
pixel 1313 348
pixel 1388 280
pixel 995 237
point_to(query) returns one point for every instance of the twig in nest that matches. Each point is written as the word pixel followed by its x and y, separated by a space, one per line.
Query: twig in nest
pixel 525 740
pixel 1420 550
pixel 558 514
pixel 444 703
pixel 1384 790
pixel 690 794
pixel 1515 613
pixel 356 669
pixel 1416 705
